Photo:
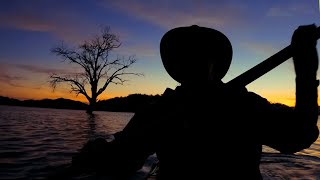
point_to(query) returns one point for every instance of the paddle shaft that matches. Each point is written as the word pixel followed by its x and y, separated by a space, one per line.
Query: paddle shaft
pixel 263 67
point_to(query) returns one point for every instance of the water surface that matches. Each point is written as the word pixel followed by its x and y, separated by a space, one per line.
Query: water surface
pixel 35 141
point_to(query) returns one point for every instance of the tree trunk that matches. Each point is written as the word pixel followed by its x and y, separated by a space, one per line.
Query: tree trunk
pixel 93 99
pixel 92 105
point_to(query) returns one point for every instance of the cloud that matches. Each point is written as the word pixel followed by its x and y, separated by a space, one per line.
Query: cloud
pixel 26 22
pixel 292 9
pixel 17 75
pixel 26 18
pixel 260 48
pixel 8 77
pixel 166 14
pixel 40 69
pixel 61 23
pixel 144 50
pixel 10 80
pixel 278 12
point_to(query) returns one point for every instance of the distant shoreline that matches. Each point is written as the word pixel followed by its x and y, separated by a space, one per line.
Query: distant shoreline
pixel 129 103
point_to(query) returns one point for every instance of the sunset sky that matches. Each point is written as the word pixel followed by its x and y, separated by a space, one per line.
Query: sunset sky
pixel 256 29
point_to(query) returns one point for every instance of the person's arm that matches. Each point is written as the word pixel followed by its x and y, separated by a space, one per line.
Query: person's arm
pixel 295 129
pixel 127 151
pixel 140 137
pixel 305 60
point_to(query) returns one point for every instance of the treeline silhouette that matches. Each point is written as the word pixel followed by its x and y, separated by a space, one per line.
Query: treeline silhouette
pixel 59 103
pixel 130 103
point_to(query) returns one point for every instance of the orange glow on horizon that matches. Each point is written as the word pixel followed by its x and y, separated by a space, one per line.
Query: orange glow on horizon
pixel 283 98
pixel 24 93
pixel 287 101
pixel 38 94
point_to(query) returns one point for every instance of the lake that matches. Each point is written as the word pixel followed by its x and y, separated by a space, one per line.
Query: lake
pixel 35 141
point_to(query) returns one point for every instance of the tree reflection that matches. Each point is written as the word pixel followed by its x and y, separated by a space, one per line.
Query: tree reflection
pixel 91 131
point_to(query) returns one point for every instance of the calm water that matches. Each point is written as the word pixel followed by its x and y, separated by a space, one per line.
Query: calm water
pixel 35 141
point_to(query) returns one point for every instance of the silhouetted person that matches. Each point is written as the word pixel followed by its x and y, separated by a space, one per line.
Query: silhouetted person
pixel 205 129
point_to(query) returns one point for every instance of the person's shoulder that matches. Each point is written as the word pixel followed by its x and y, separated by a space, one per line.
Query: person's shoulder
pixel 168 92
pixel 255 98
pixel 167 96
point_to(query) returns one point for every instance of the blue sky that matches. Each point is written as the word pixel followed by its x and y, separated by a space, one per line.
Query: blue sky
pixel 256 29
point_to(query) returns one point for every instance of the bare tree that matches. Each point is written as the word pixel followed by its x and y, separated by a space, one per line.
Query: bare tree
pixel 99 67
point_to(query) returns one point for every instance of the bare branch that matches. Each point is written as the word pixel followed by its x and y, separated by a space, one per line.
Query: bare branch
pixel 93 57
pixel 76 86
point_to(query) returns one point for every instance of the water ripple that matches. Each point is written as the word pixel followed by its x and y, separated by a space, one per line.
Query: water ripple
pixel 35 141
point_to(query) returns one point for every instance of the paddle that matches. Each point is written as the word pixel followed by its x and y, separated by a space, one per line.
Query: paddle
pixel 263 67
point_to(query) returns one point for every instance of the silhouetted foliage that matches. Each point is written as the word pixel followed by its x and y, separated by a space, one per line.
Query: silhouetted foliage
pixel 9 101
pixel 99 67
pixel 59 103
pixel 131 103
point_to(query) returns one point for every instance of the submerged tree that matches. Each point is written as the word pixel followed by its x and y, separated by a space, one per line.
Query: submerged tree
pixel 99 68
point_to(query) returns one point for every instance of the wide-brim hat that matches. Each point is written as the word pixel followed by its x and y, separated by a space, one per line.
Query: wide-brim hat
pixel 187 51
